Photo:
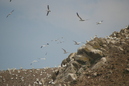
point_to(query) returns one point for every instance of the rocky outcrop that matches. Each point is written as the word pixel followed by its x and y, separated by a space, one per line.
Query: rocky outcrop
pixel 99 62
pixel 91 56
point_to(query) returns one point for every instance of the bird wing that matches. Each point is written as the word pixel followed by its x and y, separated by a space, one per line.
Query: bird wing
pixel 79 16
pixel 12 11
pixel 41 47
pixel 75 42
pixel 64 50
pixel 47 13
pixel 48 7
pixel 7 15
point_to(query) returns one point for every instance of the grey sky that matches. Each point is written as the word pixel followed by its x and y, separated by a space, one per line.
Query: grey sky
pixel 28 27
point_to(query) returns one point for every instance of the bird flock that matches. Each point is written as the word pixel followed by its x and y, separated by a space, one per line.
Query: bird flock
pixel 48 11
pixel 56 40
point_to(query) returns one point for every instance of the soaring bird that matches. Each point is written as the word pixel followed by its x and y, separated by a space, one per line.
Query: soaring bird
pixel 42 58
pixel 76 43
pixel 10 13
pixel 44 45
pixel 10 0
pixel 48 10
pixel 65 52
pixel 33 62
pixel 80 17
pixel 99 22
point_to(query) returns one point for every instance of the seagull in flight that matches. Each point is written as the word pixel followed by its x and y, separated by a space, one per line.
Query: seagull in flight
pixel 33 62
pixel 48 10
pixel 76 43
pixel 80 17
pixel 99 22
pixel 65 52
pixel 42 58
pixel 44 45
pixel 10 13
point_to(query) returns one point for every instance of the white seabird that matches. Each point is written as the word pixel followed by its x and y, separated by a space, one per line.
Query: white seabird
pixel 48 10
pixel 42 58
pixel 99 22
pixel 44 45
pixel 80 17
pixel 65 52
pixel 76 43
pixel 10 13
pixel 33 62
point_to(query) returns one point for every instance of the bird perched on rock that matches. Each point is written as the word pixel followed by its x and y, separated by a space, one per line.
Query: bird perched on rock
pixel 48 10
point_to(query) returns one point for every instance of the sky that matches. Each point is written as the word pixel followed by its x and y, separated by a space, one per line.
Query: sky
pixel 24 31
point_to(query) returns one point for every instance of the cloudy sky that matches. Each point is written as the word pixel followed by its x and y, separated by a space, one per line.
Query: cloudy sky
pixel 24 31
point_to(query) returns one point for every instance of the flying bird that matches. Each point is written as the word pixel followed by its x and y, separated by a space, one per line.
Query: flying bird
pixel 10 13
pixel 10 0
pixel 33 62
pixel 42 58
pixel 80 17
pixel 65 52
pixel 99 22
pixel 44 45
pixel 76 43
pixel 48 10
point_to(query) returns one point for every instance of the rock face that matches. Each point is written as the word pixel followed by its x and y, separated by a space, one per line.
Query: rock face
pixel 99 62
pixel 92 56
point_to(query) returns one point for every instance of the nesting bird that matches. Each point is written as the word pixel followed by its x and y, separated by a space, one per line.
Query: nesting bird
pixel 48 10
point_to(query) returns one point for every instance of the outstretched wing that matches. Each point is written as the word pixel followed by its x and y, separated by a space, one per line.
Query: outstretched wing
pixel 48 7
pixel 47 13
pixel 79 16
pixel 12 11
pixel 7 15
pixel 64 50
pixel 75 42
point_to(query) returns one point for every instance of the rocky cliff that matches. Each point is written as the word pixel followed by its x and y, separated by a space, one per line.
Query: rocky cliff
pixel 99 62
pixel 100 57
